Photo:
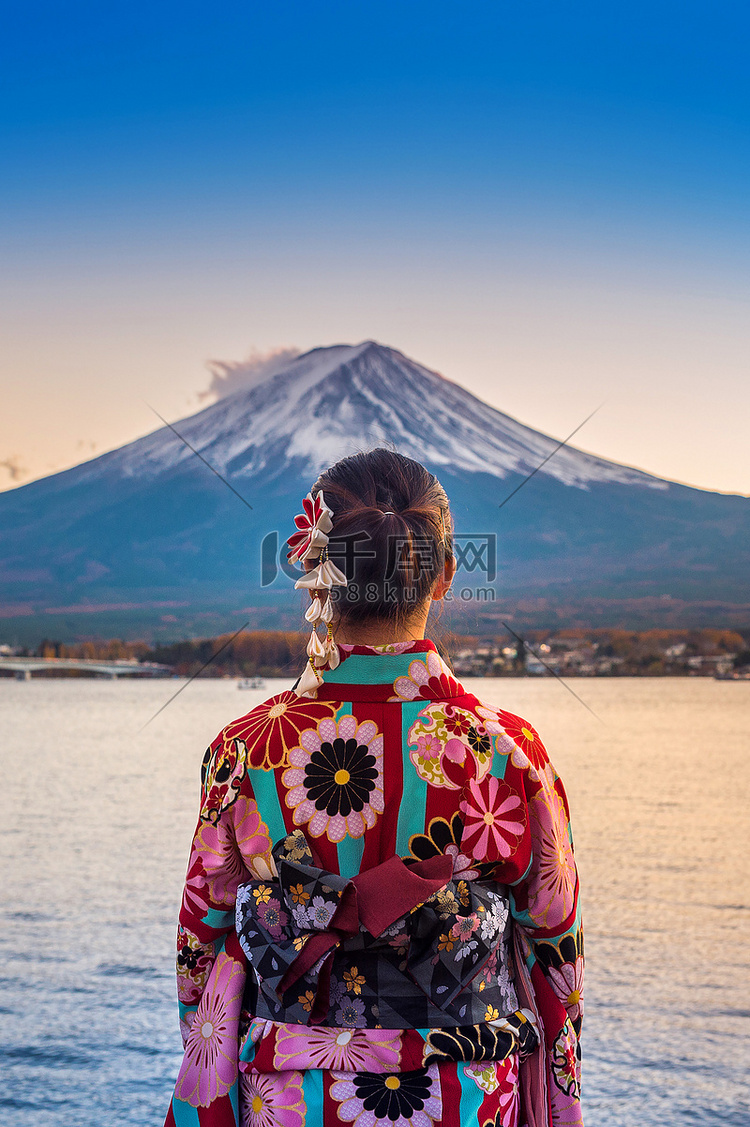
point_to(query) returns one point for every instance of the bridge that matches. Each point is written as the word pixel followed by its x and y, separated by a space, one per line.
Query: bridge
pixel 25 667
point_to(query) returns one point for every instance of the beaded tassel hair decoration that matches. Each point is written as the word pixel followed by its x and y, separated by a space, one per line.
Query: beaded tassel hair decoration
pixel 309 542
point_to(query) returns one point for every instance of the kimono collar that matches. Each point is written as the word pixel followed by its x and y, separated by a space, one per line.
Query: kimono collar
pixel 399 671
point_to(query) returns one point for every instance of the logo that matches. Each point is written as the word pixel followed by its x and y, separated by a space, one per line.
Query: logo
pixel 473 553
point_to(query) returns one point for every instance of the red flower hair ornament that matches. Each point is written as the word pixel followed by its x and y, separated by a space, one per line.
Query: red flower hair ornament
pixel 310 542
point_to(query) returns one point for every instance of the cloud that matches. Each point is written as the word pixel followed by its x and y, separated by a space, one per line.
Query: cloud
pixel 229 376
pixel 13 467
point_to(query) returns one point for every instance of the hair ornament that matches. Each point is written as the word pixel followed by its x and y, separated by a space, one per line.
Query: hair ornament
pixel 324 576
pixel 313 525
pixel 316 648
pixel 319 611
pixel 310 542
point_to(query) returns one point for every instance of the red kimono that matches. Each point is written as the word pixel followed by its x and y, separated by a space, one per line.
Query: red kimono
pixel 380 922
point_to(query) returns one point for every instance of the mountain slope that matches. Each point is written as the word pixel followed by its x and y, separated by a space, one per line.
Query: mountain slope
pixel 148 524
pixel 334 400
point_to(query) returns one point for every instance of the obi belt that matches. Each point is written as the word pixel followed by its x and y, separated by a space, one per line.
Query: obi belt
pixel 400 946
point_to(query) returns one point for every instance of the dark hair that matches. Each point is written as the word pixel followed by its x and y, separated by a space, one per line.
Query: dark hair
pixel 392 533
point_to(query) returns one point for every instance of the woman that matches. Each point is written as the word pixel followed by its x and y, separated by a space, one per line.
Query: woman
pixel 380 920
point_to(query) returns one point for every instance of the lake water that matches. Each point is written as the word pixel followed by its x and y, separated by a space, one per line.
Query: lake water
pixel 97 820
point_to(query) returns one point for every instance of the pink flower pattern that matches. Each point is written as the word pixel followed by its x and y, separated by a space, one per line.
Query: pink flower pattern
pixel 272 1099
pixel 552 890
pixel 231 851
pixel 567 983
pixel 273 917
pixel 209 1066
pixel 353 1050
pixel 494 819
pixel 440 738
pixel 430 679
pixel 429 747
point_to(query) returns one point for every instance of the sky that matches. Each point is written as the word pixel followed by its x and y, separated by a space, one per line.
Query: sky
pixel 545 202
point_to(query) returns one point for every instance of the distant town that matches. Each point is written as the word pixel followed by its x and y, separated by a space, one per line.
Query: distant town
pixel 608 653
pixel 566 653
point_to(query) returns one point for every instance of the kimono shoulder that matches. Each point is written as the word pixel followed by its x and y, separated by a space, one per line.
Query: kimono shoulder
pixel 260 740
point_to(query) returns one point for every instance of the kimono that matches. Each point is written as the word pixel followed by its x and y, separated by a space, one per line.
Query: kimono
pixel 380 923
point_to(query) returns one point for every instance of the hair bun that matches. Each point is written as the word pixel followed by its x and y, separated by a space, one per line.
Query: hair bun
pixel 391 569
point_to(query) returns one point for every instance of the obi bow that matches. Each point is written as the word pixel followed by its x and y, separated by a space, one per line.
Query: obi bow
pixel 387 920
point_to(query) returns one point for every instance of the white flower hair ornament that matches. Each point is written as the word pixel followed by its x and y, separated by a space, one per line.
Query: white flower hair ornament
pixel 310 542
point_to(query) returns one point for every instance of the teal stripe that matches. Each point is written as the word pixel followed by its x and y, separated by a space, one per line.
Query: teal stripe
pixel 184 1114
pixel 350 852
pixel 412 812
pixel 248 1051
pixel 313 1092
pixel 499 760
pixel 371 669
pixel 234 1099
pixel 218 920
pixel 267 797
pixel 472 1097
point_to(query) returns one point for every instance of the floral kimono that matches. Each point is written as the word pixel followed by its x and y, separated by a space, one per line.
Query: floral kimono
pixel 380 922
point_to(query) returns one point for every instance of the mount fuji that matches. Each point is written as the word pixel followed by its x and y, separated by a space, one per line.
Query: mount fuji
pixel 146 541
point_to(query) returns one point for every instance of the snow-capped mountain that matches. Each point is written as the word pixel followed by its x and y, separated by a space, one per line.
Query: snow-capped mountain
pixel 332 401
pixel 146 532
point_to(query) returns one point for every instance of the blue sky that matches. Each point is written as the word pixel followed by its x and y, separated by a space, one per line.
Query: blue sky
pixel 546 202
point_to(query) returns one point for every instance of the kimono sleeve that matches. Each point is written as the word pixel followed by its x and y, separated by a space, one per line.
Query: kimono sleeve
pixel 545 899
pixel 230 845
pixel 518 819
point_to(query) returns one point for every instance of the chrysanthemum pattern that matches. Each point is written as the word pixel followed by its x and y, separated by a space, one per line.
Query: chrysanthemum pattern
pixel 406 1099
pixel 353 1050
pixel 444 837
pixel 209 1066
pixel 335 781
pixel 272 1099
pixel 567 983
pixel 494 817
pixel 519 739
pixel 273 728
pixel 231 851
pixel 552 887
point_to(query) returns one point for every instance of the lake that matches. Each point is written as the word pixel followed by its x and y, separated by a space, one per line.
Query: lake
pixel 97 823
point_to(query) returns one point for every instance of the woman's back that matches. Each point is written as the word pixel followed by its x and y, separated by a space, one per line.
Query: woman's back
pixel 394 759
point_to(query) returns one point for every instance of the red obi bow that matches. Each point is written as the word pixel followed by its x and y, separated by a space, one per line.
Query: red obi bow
pixel 375 899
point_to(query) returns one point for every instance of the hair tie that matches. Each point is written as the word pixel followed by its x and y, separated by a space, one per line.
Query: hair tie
pixel 389 513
